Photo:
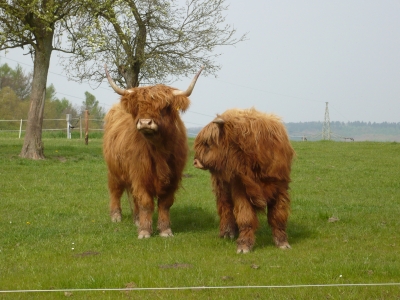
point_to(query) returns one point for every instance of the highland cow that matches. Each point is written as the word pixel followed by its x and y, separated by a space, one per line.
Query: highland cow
pixel 249 156
pixel 145 148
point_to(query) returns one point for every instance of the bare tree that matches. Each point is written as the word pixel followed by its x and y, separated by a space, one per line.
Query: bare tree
pixel 34 25
pixel 148 41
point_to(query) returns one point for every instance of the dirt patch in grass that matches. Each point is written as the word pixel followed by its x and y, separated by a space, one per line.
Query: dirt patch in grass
pixel 176 266
pixel 87 253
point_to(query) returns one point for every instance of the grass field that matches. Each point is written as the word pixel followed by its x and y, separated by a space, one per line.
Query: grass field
pixel 55 230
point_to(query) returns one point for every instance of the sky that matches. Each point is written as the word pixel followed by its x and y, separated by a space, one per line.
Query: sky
pixel 298 56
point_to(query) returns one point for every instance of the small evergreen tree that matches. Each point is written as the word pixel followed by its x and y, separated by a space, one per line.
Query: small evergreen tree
pixel 96 112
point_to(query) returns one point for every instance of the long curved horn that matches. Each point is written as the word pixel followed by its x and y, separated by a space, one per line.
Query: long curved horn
pixel 117 89
pixel 189 90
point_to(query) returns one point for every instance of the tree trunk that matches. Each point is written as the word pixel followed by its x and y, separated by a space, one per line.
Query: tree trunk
pixel 131 75
pixel 33 145
pixel 136 56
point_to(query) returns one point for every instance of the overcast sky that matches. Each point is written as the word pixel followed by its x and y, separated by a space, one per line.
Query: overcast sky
pixel 299 55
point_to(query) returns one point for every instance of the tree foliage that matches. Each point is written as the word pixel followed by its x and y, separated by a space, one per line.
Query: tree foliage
pixel 35 25
pixel 17 80
pixel 148 41
pixel 92 105
pixel 15 86
pixel 15 106
pixel 11 106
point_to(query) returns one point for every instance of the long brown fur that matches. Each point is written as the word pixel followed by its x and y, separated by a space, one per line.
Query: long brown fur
pixel 148 167
pixel 249 156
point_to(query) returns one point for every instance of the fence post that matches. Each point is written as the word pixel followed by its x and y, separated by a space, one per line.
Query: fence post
pixel 80 126
pixel 20 129
pixel 68 126
pixel 86 127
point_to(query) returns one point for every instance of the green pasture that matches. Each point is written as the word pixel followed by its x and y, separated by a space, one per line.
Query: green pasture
pixel 56 234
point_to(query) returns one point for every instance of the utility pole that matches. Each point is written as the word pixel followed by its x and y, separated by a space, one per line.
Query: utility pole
pixel 326 128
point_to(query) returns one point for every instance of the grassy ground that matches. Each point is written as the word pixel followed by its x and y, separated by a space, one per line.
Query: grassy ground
pixel 55 231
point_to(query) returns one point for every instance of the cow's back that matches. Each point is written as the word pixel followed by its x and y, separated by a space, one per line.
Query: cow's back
pixel 118 148
pixel 263 142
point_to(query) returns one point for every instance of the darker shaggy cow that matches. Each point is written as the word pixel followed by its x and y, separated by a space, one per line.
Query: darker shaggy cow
pixel 145 148
pixel 249 156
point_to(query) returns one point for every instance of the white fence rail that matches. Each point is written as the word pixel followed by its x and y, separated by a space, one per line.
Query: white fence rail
pixel 70 124
pixel 75 123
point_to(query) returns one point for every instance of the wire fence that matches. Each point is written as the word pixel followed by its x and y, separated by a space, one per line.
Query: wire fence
pixel 74 127
pixel 206 288
pixel 63 127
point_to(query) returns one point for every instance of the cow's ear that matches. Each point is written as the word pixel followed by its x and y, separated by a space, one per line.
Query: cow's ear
pixel 181 103
pixel 219 121
pixel 129 105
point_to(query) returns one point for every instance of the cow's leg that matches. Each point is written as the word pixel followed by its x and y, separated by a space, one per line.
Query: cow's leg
pixel 227 223
pixel 134 208
pixel 246 219
pixel 278 213
pixel 164 224
pixel 145 205
pixel 116 190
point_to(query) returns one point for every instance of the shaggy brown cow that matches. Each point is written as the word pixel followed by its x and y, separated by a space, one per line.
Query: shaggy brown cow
pixel 145 148
pixel 249 156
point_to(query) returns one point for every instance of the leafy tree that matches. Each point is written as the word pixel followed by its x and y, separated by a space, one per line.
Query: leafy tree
pixel 11 108
pixel 14 89
pixel 64 107
pixel 10 105
pixel 5 76
pixel 50 93
pixel 35 25
pixel 17 80
pixel 95 111
pixel 148 41
pixel 14 84
pixel 55 109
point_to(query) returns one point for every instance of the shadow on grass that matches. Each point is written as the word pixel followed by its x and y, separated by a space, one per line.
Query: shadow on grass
pixel 192 219
pixel 184 219
pixel 296 232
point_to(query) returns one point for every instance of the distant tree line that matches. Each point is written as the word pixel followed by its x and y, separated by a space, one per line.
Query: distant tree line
pixel 15 88
pixel 346 129
pixel 358 130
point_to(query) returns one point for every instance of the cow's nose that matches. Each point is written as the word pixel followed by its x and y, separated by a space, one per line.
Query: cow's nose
pixel 147 125
pixel 146 122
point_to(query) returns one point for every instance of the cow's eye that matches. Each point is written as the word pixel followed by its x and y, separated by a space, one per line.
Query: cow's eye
pixel 165 111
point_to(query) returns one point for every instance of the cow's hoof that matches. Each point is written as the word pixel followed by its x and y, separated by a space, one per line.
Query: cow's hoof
pixel 243 249
pixel 144 234
pixel 227 235
pixel 116 217
pixel 284 246
pixel 166 233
